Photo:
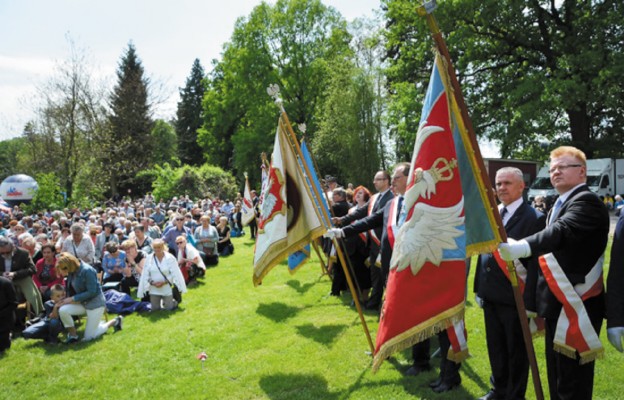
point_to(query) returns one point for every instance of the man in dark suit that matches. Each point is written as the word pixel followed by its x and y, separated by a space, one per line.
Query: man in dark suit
pixel 19 268
pixel 253 225
pixel 615 288
pixel 8 304
pixel 573 244
pixel 375 204
pixel 340 207
pixel 508 358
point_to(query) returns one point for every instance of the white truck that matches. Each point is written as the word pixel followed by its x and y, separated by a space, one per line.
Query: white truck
pixel 604 176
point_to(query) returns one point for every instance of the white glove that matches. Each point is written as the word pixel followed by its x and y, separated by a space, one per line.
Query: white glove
pixel 531 314
pixel 616 335
pixel 479 301
pixel 334 233
pixel 514 249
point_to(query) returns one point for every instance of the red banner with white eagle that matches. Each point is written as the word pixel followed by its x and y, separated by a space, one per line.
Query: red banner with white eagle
pixel 289 219
pixel 425 291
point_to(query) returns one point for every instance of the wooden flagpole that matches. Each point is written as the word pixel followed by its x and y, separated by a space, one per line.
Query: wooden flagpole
pixel 322 262
pixel 273 91
pixel 426 10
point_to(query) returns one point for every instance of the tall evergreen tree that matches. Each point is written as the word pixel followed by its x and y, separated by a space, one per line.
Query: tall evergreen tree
pixel 128 148
pixel 189 116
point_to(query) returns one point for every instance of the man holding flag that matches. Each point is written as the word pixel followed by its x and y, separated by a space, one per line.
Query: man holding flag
pixel 377 202
pixel 570 293
pixel 387 218
pixel 508 358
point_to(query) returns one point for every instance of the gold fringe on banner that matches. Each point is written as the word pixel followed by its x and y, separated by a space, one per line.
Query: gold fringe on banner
pixel 418 333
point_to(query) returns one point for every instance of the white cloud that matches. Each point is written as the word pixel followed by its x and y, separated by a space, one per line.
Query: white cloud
pixel 25 65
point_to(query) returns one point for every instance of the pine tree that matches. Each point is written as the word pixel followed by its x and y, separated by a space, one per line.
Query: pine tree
pixel 128 148
pixel 189 117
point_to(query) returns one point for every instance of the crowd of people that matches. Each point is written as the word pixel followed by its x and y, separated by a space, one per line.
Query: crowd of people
pixel 59 264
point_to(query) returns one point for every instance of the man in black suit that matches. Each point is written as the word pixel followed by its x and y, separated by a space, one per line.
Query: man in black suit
pixel 8 304
pixel 340 207
pixel 615 288
pixel 376 203
pixel 508 357
pixel 573 244
pixel 19 268
pixel 253 225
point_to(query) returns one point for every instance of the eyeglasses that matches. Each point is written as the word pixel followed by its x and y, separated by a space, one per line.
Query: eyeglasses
pixel 6 253
pixel 563 167
pixel 179 242
pixel 397 177
pixel 179 219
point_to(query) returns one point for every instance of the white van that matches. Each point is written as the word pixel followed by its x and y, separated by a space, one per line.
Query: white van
pixel 604 176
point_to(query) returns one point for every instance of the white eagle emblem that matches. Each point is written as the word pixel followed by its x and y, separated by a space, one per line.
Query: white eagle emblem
pixel 425 236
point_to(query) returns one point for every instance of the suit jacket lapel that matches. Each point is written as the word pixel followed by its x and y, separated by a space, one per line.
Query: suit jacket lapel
pixel 565 204
pixel 516 217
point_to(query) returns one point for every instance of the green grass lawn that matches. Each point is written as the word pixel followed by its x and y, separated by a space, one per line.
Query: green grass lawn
pixel 286 339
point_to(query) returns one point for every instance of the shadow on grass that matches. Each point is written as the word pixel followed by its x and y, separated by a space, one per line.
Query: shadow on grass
pixel 277 312
pixel 295 284
pixel 296 386
pixel 61 347
pixel 154 316
pixel 473 376
pixel 419 385
pixel 324 335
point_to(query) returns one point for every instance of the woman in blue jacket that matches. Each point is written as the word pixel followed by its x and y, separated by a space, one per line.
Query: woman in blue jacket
pixel 85 297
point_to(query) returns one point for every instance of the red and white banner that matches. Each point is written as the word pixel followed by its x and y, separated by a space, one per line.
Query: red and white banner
pixel 289 219
pixel 247 210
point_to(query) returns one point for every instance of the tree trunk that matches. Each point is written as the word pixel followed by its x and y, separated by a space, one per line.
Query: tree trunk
pixel 580 128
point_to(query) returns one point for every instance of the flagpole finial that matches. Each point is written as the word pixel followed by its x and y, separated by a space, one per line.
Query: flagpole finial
pixel 302 127
pixel 274 91
pixel 245 173
pixel 428 7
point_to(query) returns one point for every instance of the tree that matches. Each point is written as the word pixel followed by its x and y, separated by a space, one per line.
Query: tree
pixel 291 44
pixel 165 143
pixel 127 145
pixel 70 114
pixel 9 157
pixel 48 195
pixel 532 71
pixel 197 182
pixel 347 142
pixel 189 116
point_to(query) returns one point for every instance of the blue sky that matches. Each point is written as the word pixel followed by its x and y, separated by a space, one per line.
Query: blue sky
pixel 168 36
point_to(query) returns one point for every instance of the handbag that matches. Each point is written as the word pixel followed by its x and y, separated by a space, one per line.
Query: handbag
pixel 177 296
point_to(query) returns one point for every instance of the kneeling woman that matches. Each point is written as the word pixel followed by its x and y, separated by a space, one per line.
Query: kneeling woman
pixel 160 272
pixel 85 297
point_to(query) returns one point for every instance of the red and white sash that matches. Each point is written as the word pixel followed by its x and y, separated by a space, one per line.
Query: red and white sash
pixel 371 204
pixel 574 332
pixel 391 225
pixel 536 324
pixel 458 337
